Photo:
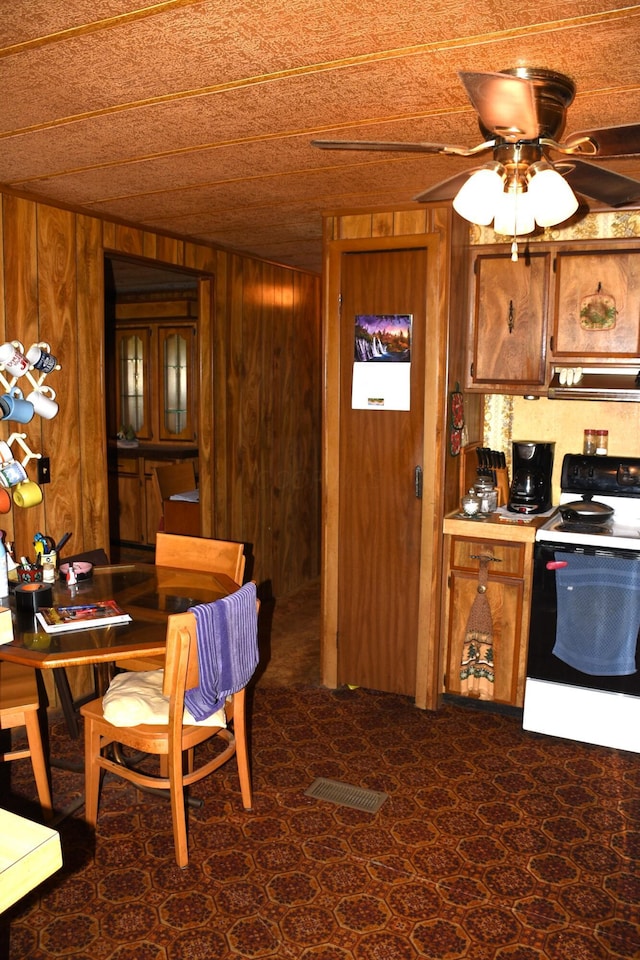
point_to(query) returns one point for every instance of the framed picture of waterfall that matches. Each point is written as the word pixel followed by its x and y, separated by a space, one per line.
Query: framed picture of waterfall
pixel 382 362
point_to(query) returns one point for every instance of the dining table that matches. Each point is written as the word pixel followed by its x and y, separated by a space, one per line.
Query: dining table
pixel 148 593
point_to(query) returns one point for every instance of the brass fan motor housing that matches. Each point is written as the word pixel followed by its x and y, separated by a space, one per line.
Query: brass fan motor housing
pixel 554 93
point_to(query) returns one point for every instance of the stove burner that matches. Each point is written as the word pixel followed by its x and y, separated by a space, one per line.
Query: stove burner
pixel 583 526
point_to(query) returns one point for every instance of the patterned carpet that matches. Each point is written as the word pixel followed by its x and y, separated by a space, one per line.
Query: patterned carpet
pixel 494 844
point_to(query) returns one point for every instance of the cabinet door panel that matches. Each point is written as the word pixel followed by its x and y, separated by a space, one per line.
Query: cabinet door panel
pixel 509 320
pixel 505 602
pixel 597 309
pixel 130 520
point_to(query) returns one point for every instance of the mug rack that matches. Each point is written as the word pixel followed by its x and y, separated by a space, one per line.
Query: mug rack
pixel 37 382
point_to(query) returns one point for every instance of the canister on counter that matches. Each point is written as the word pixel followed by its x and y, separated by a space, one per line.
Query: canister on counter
pixel 602 443
pixel 589 445
pixel 487 493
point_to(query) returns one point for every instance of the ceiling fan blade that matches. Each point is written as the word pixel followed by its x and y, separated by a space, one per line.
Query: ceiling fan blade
pixel 505 105
pixel 593 181
pixel 446 189
pixel 610 141
pixel 383 145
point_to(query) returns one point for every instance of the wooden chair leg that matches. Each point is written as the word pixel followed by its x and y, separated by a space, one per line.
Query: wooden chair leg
pixel 92 772
pixel 178 809
pixel 242 753
pixel 38 762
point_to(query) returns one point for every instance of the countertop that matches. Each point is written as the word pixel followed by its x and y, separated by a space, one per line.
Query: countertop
pixel 158 451
pixel 502 525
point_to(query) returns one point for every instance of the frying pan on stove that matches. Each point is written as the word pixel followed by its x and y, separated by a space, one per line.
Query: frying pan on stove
pixel 585 511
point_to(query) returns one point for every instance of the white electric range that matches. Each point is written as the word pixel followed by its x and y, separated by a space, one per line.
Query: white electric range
pixel 583 667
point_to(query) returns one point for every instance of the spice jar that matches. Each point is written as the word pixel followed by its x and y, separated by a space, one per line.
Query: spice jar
pixel 589 446
pixel 471 503
pixel 602 443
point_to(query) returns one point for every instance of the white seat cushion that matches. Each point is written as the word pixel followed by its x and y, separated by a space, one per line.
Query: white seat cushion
pixel 136 697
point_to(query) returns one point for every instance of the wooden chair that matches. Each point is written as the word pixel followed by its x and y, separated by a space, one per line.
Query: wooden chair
pixel 174 743
pixel 191 553
pixel 19 704
pixel 201 553
pixel 173 478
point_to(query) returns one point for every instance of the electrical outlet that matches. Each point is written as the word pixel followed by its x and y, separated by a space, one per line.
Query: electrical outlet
pixel 44 471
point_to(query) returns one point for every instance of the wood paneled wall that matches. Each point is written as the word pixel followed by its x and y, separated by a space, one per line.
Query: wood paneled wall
pixel 259 385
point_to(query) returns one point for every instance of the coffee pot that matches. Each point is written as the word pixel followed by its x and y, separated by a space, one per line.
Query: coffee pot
pixel 532 465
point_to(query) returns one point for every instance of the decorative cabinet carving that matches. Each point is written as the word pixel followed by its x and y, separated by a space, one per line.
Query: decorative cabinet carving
pixel 508 594
pixel 508 322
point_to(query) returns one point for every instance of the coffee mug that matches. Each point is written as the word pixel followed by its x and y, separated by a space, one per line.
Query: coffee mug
pixel 44 403
pixel 13 406
pixel 12 473
pixel 40 358
pixel 5 452
pixel 5 501
pixel 27 494
pixel 13 360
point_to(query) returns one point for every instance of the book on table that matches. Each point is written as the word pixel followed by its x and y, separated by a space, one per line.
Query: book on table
pixel 82 616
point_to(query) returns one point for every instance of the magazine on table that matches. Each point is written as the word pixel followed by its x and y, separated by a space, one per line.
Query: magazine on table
pixel 82 616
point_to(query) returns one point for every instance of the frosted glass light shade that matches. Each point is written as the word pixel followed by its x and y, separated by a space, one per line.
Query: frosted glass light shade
pixel 514 214
pixel 477 198
pixel 553 199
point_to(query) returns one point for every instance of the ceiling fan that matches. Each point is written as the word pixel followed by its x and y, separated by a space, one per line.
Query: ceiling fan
pixel 522 115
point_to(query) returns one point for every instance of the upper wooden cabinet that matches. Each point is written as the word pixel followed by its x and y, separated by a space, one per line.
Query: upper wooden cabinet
pixel 155 374
pixel 596 305
pixel 570 304
pixel 508 322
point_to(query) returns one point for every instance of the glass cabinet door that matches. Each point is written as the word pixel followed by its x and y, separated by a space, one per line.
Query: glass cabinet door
pixel 176 347
pixel 132 350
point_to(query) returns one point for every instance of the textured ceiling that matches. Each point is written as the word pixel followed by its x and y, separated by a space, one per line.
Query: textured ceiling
pixel 195 116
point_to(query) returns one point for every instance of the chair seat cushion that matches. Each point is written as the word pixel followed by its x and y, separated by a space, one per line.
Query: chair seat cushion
pixel 136 697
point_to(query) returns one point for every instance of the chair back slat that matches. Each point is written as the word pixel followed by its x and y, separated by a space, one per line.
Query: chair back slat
pixel 174 478
pixel 201 553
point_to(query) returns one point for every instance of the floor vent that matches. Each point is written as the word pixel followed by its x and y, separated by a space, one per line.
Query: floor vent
pixel 347 796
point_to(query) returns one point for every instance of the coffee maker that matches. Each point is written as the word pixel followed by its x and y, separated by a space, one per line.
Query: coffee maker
pixel 532 465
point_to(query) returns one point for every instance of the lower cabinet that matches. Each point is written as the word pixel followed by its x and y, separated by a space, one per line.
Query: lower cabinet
pixel 508 591
pixel 135 511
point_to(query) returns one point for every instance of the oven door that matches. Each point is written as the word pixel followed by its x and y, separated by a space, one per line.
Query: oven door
pixel 561 700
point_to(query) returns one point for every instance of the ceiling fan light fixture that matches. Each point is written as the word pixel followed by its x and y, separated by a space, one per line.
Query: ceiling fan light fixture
pixel 553 199
pixel 477 198
pixel 514 215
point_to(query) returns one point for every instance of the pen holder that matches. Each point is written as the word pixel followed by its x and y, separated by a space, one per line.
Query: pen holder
pixel 29 574
pixel 502 483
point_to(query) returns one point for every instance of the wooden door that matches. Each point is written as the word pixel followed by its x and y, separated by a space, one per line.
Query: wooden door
pixel 380 516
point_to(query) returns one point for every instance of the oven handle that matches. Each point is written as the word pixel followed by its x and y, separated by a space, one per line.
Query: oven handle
pixel 556 564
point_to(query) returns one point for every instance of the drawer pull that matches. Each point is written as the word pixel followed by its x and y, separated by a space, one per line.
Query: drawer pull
pixel 484 556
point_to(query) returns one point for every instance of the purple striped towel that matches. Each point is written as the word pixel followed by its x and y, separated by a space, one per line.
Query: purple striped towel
pixel 227 637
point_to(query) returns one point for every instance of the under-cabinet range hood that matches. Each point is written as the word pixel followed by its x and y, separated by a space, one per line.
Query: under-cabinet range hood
pixel 595 383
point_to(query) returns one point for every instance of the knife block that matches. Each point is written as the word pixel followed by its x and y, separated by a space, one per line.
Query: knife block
pixel 502 483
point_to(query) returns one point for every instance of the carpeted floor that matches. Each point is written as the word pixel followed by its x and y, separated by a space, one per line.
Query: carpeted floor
pixel 493 844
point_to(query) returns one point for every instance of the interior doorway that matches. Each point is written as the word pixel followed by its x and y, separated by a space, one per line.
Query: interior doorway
pixel 131 283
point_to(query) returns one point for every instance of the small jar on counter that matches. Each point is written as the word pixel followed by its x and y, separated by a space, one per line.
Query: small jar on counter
pixel 602 443
pixel 589 446
pixel 487 493
pixel 471 503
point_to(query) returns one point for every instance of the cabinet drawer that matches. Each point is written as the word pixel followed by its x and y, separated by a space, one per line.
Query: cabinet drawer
pixel 509 557
pixel 127 466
